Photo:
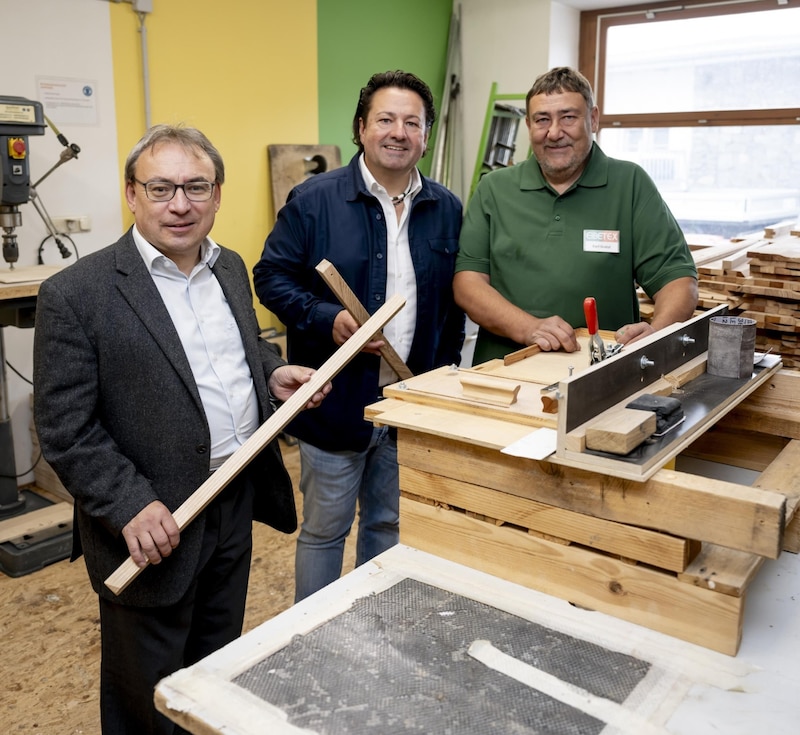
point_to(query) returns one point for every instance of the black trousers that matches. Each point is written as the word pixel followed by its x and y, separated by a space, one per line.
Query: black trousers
pixel 140 646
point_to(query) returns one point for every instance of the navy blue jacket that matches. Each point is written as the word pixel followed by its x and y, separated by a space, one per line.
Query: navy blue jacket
pixel 333 216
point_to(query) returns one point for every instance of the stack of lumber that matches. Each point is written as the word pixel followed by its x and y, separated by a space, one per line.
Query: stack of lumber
pixel 757 277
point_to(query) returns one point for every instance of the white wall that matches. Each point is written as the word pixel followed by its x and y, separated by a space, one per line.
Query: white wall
pixel 505 41
pixel 66 39
pixel 509 42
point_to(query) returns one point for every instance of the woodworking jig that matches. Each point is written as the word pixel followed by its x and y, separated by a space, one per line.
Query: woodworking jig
pixel 608 520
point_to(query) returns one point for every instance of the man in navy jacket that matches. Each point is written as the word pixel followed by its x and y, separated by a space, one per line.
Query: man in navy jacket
pixel 386 229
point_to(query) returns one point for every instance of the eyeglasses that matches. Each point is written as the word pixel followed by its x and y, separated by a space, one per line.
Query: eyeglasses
pixel 163 191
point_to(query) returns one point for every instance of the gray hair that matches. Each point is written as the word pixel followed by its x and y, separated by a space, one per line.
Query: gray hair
pixel 190 138
pixel 561 79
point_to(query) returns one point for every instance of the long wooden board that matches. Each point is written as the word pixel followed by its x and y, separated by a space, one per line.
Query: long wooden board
pixel 269 430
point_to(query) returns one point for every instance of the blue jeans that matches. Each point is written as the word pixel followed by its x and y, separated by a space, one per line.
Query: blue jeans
pixel 332 483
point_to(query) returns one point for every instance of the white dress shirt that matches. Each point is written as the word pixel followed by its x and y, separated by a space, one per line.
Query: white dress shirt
pixel 213 345
pixel 400 276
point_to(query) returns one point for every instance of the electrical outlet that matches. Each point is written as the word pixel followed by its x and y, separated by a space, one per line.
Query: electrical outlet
pixel 71 224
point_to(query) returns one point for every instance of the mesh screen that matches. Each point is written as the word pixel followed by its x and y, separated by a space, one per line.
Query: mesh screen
pixel 396 662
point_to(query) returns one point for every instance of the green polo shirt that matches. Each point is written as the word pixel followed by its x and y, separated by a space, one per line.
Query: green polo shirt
pixel 546 252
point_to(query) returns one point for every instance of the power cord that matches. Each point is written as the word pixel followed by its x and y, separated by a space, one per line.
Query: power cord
pixel 39 457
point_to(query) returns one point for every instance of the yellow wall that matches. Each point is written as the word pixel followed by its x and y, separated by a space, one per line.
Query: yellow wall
pixel 243 72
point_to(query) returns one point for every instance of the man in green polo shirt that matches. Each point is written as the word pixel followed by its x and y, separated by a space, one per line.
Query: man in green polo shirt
pixel 568 223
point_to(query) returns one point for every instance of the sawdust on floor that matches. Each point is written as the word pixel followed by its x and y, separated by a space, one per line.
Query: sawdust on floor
pixel 50 633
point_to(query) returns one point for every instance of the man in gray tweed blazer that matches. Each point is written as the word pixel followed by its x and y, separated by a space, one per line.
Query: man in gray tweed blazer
pixel 148 373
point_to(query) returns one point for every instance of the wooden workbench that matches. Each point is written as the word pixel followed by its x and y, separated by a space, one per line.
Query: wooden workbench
pixel 675 552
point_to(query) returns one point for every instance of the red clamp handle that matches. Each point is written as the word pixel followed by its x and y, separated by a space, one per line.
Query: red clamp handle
pixel 590 312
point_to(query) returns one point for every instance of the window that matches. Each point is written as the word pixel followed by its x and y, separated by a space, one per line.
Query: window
pixel 704 97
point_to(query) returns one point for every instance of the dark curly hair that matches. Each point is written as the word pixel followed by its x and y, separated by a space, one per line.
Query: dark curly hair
pixel 401 80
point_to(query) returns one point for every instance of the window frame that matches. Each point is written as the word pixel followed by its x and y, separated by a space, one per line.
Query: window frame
pixel 594 25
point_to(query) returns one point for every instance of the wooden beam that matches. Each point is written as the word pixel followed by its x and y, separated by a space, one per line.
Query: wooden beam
pixel 636 593
pixel 269 430
pixel 649 547
pixel 688 506
pixel 355 308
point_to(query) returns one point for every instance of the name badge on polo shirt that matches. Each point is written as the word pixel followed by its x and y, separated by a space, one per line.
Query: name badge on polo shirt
pixel 601 241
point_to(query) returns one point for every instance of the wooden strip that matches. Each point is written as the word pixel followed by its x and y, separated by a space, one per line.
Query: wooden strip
pixel 640 544
pixel 513 357
pixel 641 595
pixel 354 307
pixel 269 430
pixel 58 514
pixel 688 506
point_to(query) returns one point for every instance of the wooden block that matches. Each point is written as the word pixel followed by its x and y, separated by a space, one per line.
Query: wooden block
pixel 726 571
pixel 620 431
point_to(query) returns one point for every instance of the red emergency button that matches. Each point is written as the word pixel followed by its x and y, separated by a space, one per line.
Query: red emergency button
pixel 17 148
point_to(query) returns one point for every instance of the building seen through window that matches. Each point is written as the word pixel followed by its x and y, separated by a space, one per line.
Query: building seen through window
pixel 709 106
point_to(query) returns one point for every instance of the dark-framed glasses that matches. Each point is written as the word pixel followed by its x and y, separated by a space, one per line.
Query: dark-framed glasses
pixel 163 191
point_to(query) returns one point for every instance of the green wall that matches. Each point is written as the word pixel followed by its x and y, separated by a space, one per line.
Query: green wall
pixel 357 38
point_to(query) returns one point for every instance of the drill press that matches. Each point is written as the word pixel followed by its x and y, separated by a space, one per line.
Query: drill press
pixel 20 118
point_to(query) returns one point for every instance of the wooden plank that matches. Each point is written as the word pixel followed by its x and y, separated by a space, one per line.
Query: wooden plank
pixel 685 505
pixel 290 165
pixel 269 430
pixel 640 544
pixel 718 252
pixel 783 475
pixel 58 514
pixel 480 430
pixel 355 308
pixel 632 592
pixel 773 408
